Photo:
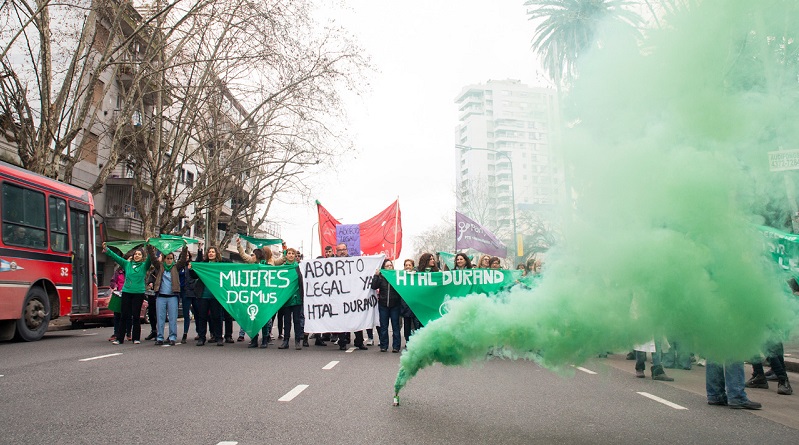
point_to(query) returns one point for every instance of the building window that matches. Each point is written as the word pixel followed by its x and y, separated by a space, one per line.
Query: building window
pixel 189 179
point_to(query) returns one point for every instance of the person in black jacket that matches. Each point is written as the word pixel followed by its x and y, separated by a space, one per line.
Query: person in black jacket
pixel 206 302
pixel 388 305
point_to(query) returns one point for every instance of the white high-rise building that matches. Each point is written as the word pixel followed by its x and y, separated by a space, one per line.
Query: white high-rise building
pixel 503 151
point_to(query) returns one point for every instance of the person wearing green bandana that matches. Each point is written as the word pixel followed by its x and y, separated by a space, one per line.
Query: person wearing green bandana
pixel 292 310
pixel 167 287
pixel 133 289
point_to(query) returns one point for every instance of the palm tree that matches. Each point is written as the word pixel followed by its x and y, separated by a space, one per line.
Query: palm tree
pixel 570 27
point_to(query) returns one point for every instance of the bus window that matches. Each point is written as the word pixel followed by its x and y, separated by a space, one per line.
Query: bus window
pixel 58 225
pixel 23 217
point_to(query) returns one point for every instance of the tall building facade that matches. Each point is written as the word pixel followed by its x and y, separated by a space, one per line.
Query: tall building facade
pixel 503 152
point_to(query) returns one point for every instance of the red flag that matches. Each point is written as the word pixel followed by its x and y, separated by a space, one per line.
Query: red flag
pixel 380 234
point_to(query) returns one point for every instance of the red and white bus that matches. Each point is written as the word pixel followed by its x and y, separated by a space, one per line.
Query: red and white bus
pixel 47 252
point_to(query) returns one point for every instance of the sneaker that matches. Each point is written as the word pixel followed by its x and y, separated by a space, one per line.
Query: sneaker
pixel 662 377
pixel 319 343
pixel 370 342
pixel 640 374
pixel 383 350
pixel 152 335
pixel 230 339
pixel 171 342
pixel 396 351
pixel 784 387
pixel 220 343
pixel 129 338
pixel 112 338
pixel 362 348
pixel 718 402
pixel 115 342
pixel 136 342
pixel 183 340
pixel 747 405
pixel 200 342
pixel 298 345
pixel 770 376
pixel 212 340
pixel 757 381
pixel 159 343
pixel 305 343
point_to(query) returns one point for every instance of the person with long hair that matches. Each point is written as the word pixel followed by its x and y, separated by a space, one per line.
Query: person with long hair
pixel 206 302
pixel 292 310
pixel 427 263
pixel 132 291
pixel 495 263
pixel 388 305
pixel 462 261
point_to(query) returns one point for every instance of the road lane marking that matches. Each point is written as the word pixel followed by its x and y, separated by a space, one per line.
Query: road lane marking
pixel 99 356
pixel 293 393
pixel 227 442
pixel 587 371
pixel 663 401
pixel 351 349
pixel 93 333
pixel 331 364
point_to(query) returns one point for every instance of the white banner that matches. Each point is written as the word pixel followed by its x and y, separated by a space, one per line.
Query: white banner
pixel 338 293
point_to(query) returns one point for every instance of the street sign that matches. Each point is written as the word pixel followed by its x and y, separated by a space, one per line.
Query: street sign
pixel 783 160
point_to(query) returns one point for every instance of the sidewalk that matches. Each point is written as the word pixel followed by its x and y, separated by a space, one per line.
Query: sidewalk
pixel 792 356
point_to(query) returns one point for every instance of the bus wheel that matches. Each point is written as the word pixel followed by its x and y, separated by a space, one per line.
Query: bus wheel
pixel 35 315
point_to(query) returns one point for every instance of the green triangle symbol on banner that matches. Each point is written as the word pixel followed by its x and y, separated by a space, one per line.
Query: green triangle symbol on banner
pixel 251 293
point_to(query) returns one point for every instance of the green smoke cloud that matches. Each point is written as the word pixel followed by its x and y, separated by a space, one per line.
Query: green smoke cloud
pixel 667 149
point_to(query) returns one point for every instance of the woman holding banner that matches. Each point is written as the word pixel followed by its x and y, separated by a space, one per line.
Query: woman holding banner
pixel 427 263
pixel 132 291
pixel 206 302
pixel 485 262
pixel 462 261
pixel 292 310
pixel 409 320
pixel 261 255
pixel 388 305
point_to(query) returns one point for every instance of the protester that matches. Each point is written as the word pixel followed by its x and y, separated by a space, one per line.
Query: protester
pixel 495 263
pixel 344 337
pixel 462 261
pixel 187 285
pixel 388 305
pixel 167 287
pixel 725 386
pixel 132 291
pixel 657 368
pixel 207 303
pixel 427 263
pixel 263 256
pixel 485 262
pixel 409 321
pixel 293 310
pixel 149 294
pixel 117 282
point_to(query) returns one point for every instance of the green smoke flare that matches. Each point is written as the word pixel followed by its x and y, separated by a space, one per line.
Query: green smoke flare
pixel 667 147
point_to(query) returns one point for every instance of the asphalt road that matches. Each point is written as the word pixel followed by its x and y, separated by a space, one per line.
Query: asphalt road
pixel 211 395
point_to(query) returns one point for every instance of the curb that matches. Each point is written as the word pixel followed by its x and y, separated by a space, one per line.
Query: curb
pixel 792 364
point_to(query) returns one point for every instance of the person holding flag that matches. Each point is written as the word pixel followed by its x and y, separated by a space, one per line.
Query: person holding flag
pixel 132 291
pixel 167 288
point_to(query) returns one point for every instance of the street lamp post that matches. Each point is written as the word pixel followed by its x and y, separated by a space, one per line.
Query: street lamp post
pixel 466 148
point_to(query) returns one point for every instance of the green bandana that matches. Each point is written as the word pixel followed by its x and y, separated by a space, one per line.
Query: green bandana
pixel 260 242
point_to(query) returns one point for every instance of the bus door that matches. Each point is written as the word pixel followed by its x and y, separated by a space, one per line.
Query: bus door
pixel 80 224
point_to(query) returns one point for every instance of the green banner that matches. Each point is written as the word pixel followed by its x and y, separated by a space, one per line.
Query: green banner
pixel 167 243
pixel 125 246
pixel 260 242
pixel 251 293
pixel 783 247
pixel 189 240
pixel 427 292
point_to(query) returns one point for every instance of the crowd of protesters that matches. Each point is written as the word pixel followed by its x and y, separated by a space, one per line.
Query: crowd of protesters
pixel 163 280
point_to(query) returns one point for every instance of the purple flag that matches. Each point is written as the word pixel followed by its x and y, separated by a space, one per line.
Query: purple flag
pixel 469 234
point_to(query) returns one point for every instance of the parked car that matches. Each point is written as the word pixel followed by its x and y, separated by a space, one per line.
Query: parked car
pixel 104 316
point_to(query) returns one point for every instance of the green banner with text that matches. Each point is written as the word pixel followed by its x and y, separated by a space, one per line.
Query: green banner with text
pixel 426 293
pixel 251 293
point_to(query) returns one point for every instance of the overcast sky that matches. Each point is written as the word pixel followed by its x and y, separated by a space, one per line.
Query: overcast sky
pixel 425 52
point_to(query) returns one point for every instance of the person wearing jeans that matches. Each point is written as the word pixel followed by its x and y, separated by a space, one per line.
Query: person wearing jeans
pixel 167 285
pixel 657 368
pixel 724 384
pixel 388 306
